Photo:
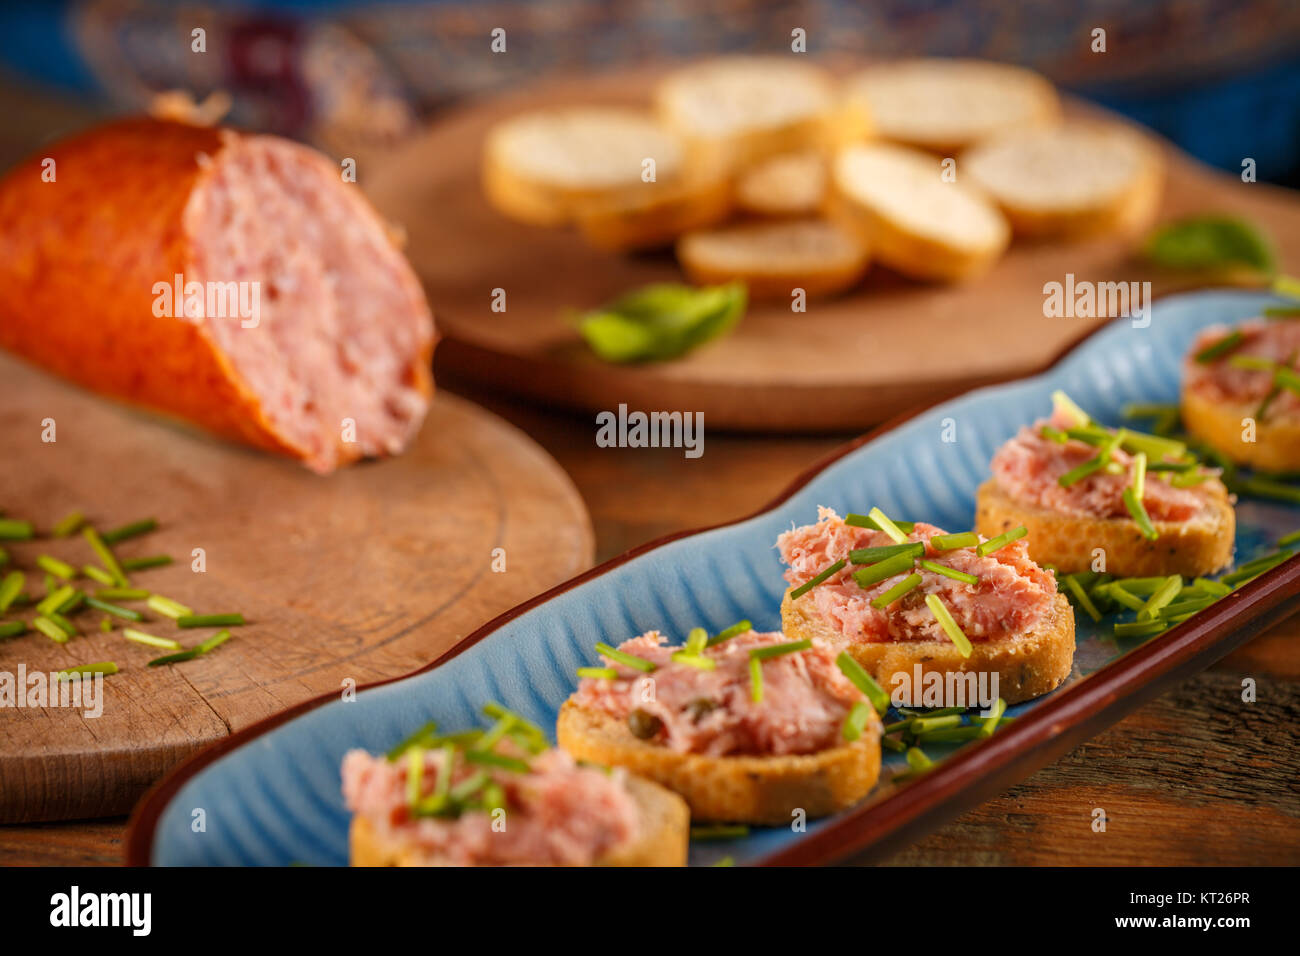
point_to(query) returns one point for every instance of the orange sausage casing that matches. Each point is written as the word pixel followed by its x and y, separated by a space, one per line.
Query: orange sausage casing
pixel 322 351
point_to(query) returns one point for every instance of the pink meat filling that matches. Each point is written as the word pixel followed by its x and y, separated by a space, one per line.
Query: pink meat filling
pixel 558 814
pixel 343 329
pixel 1220 381
pixel 1012 595
pixel 805 697
pixel 1029 468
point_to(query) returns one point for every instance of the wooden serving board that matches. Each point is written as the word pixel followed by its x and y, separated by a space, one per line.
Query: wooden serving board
pixel 368 573
pixel 844 364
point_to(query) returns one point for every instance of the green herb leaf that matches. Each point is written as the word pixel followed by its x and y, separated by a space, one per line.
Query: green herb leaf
pixel 1210 242
pixel 662 321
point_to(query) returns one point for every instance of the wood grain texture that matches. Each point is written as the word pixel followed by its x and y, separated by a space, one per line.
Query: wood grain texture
pixel 845 364
pixel 365 574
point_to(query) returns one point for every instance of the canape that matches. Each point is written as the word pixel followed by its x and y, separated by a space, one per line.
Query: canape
pixel 502 797
pixel 748 727
pixel 1241 393
pixel 906 600
pixel 1108 500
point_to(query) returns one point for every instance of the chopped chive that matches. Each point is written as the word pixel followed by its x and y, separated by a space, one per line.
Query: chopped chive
pixel 135 528
pixel 1001 541
pixel 1080 472
pixel 1268 488
pixel 216 640
pixel 428 730
pixel 1064 404
pixel 920 725
pixel 73 603
pixel 167 607
pixel 1177 609
pixel 1090 435
pixel 54 600
pixel 11 529
pixel 903 587
pixel 498 731
pixel 1289 539
pixel 1252 363
pixel 4 557
pixel 1120 595
pixel 720 831
pixel 950 735
pixel 523 724
pixel 69 524
pixel 951 542
pixel 866 521
pixel 884 524
pixel 756 680
pixel 1140 628
pixel 948 572
pixel 1252 570
pixel 140 637
pixel 1148 410
pixel 1212 588
pixel 1139 476
pixel 897 746
pixel 698 661
pixel 1164 595
pixel 105 624
pixel 124 613
pixel 696 641
pixel 60 569
pixel 1081 597
pixel 1155 447
pixel 598 673
pixel 97 574
pixel 1220 348
pixel 856 720
pixel 1143 587
pixel 492 759
pixel 873 555
pixel 50 630
pixel 152 561
pixel 1054 434
pixel 122 594
pixel 778 650
pixel 12 629
pixel 817 579
pixel 10 588
pixel 990 723
pixel 414 776
pixel 863 681
pixel 917 760
pixel 740 627
pixel 1174 466
pixel 63 624
pixel 106 556
pixel 102 667
pixel 210 620
pixel 945 619
pixel 627 660
pixel 897 726
pixel 883 570
pixel 469 787
pixel 1139 514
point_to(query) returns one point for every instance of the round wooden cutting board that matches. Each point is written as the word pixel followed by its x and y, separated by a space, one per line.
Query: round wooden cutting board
pixel 368 573
pixel 844 364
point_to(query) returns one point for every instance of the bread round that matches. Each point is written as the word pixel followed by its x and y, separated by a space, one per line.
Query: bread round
pixel 736 789
pixel 652 215
pixel 1028 665
pixel 946 105
pixel 663 841
pixel 1201 545
pixel 910 218
pixel 774 258
pixel 539 167
pixel 737 111
pixel 790 185
pixel 1071 181
pixel 1219 424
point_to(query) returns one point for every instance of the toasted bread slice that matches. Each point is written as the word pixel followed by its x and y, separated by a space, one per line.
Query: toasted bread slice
pixel 1219 424
pixel 946 105
pixel 774 258
pixel 1071 181
pixel 1201 545
pixel 738 789
pixel 663 840
pixel 737 111
pixel 1028 665
pixel 784 186
pixel 540 167
pixel 654 214
pixel 911 219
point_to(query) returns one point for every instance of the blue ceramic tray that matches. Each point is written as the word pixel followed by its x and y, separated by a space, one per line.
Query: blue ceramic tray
pixel 270 794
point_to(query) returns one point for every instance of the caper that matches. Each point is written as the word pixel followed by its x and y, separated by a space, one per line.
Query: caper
pixel 643 725
pixel 700 706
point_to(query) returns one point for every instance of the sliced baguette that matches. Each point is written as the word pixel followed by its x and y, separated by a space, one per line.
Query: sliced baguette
pixel 738 111
pixel 1028 665
pixel 1219 424
pixel 654 214
pixel 663 840
pixel 1195 547
pixel 1070 181
pixel 738 789
pixel 541 167
pixel 784 186
pixel 913 221
pixel 946 105
pixel 774 258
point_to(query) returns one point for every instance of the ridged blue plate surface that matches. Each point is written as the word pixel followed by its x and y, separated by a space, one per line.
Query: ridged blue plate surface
pixel 276 800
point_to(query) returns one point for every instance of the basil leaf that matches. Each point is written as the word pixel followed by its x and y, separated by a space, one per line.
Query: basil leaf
pixel 1210 242
pixel 662 321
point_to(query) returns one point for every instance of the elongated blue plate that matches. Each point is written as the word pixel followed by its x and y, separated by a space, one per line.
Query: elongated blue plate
pixel 270 794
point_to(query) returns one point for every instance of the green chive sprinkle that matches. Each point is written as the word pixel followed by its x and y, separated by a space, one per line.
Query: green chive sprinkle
pixel 951 542
pixel 496 712
pixel 492 759
pixel 821 576
pixel 1140 628
pixel 1139 514
pixel 756 680
pixel 216 640
pixel 131 530
pixel 856 720
pixel 897 746
pixel 106 556
pixel 1164 595
pixel 990 723
pixel 103 667
pixel 12 629
pixel 414 775
pixel 1289 539
pixel 60 569
pixel 105 624
pixel 720 831
pixel 873 555
pixel 897 591
pixel 71 604
pixel 944 617
pixel 778 650
pixel 627 660
pixel 917 760
pixel 863 681
pixel 698 661
pixel 54 600
pixel 1001 541
pixel 97 574
pixel 122 594
pixel 1121 595
pixel 948 572
pixel 140 637
pixel 10 588
pixel 740 627
pixel 866 521
pixel 1063 403
pixel 50 630
pixel 167 607
pixel 125 614
pixel 884 524
pixel 11 529
pixel 210 620
pixel 696 640
pixel 1220 348
pixel 469 787
pixel 1081 597
pixel 921 725
pixel 1139 476
pixel 950 735
pixel 883 570
pixel 152 561
pixel 598 673
pixel 428 730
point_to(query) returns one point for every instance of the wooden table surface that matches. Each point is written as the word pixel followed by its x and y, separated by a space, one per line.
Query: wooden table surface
pixel 1195 778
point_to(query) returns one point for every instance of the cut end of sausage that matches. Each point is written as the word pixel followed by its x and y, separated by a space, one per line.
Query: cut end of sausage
pixel 331 334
